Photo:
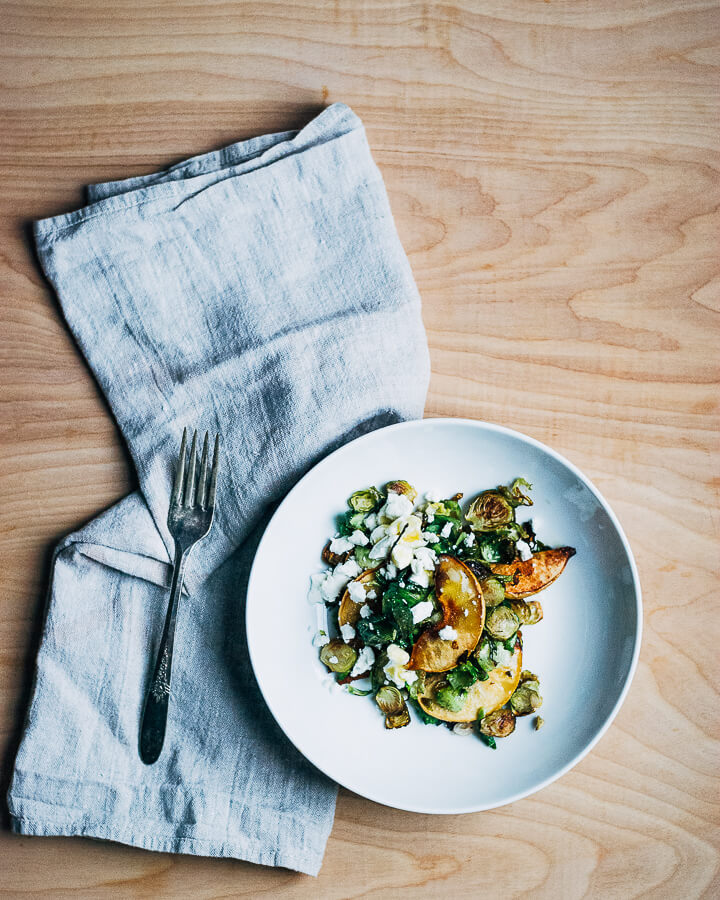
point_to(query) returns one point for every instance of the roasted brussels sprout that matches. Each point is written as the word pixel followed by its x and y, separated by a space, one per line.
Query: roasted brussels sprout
pixel 365 501
pixel 402 487
pixel 526 698
pixel 493 592
pixel 489 511
pixel 502 623
pixel 498 724
pixel 529 612
pixel 391 703
pixel 338 656
pixel 334 559
pixel 399 720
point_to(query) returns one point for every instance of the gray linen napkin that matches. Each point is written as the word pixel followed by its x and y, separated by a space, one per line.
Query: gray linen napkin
pixel 260 291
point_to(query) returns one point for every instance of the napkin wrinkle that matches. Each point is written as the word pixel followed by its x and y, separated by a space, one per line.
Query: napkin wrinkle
pixel 261 292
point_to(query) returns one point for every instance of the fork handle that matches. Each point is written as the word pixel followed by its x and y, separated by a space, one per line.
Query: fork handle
pixel 154 718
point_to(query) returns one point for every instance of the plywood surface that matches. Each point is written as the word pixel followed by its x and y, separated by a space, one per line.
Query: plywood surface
pixel 553 169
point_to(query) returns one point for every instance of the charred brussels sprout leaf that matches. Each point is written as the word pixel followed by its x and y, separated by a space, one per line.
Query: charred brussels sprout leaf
pixel 502 623
pixel 539 722
pixel 338 656
pixel 400 720
pixel 489 511
pixel 365 501
pixel 514 493
pixel 498 724
pixel 462 676
pixel 402 487
pixel 351 689
pixel 529 612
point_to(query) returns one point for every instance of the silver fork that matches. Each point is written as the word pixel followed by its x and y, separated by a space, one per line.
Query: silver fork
pixel 192 505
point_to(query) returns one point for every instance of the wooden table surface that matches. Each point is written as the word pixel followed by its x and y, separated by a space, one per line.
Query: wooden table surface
pixel 553 169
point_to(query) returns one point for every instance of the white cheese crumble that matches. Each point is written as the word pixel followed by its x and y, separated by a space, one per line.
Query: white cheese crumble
pixel 524 551
pixel 371 595
pixel 448 633
pixel 429 515
pixel 424 558
pixel 503 657
pixel 396 505
pixel 358 538
pixel 394 669
pixel 422 611
pixel 356 591
pixel 377 534
pixel 320 639
pixel 349 568
pixel 430 537
pixel 371 521
pixel 364 662
pixel 421 579
pixel 347 632
pixel 469 539
pixel 341 545
pixel 365 611
pixel 382 548
pixel 447 530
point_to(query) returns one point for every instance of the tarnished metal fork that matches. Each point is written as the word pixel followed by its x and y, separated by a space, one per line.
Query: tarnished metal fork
pixel 192 505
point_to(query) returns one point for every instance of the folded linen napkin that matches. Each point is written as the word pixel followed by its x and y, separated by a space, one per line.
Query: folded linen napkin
pixel 260 291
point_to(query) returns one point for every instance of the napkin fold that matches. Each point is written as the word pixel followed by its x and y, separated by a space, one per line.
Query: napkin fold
pixel 260 291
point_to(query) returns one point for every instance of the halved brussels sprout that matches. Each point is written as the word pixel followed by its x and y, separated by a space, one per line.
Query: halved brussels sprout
pixel 489 511
pixel 402 487
pixel 530 612
pixel 493 592
pixel 526 698
pixel 498 724
pixel 391 703
pixel 365 501
pixel 502 623
pixel 338 656
pixel 400 720
pixel 390 700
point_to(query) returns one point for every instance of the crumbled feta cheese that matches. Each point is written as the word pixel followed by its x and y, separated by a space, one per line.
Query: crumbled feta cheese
pixel 395 506
pixel 347 632
pixel 430 537
pixel 394 669
pixel 421 579
pixel 358 538
pixel 524 551
pixel 371 595
pixel 315 594
pixel 422 611
pixel 365 661
pixel 377 534
pixel 320 639
pixel 382 548
pixel 469 539
pixel 448 633
pixel 371 521
pixel 341 545
pixel 503 657
pixel 446 530
pixel 365 611
pixel 410 676
pixel 356 592
pixel 390 571
pixel 429 515
pixel 424 558
pixel 349 568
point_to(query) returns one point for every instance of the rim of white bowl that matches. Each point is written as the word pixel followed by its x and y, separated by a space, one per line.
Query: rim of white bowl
pixel 524 438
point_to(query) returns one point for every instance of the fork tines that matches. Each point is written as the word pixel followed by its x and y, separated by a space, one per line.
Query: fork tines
pixel 193 487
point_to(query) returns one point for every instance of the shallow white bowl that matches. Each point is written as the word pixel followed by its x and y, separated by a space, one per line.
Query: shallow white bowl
pixel 585 650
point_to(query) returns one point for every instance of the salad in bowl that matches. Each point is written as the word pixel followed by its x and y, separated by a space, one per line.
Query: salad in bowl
pixel 424 604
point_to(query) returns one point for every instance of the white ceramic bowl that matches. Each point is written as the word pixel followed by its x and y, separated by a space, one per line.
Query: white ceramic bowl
pixel 585 650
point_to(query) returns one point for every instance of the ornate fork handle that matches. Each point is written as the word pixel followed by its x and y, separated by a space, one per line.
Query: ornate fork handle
pixel 154 719
pixel 192 505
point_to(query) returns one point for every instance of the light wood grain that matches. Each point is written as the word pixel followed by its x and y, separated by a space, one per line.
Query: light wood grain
pixel 553 169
